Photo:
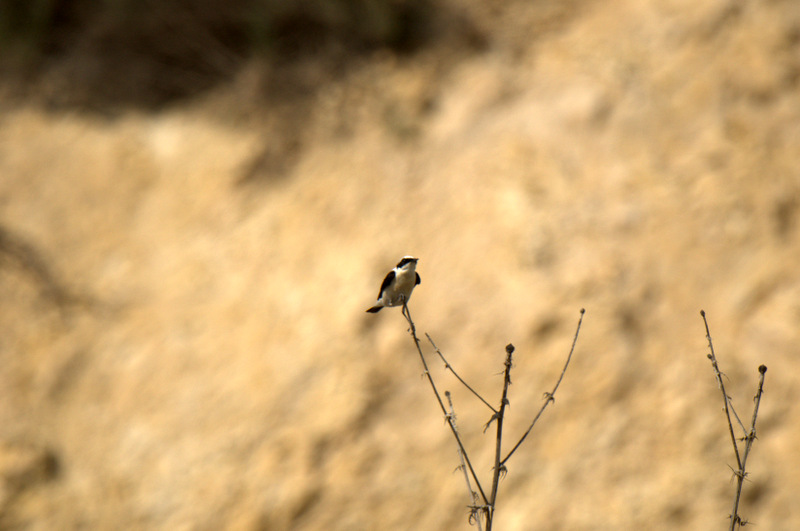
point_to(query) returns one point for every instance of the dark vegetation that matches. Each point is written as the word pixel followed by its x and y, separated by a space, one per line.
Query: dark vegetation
pixel 149 53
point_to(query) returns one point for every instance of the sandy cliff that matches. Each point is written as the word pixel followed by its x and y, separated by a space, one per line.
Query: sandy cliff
pixel 182 289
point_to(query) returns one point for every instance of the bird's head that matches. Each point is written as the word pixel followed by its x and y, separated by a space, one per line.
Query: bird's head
pixel 407 262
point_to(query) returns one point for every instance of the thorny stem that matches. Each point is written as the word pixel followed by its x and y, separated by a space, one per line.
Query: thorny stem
pixel 725 396
pixel 450 368
pixel 413 331
pixel 749 439
pixel 473 496
pixel 550 397
pixel 750 435
pixel 498 468
pixel 488 505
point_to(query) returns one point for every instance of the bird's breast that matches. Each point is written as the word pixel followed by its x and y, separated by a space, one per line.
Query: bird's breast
pixel 405 282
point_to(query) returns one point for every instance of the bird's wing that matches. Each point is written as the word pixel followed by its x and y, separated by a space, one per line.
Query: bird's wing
pixel 418 280
pixel 386 281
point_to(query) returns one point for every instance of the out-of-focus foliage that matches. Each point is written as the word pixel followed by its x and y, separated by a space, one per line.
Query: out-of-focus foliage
pixel 149 52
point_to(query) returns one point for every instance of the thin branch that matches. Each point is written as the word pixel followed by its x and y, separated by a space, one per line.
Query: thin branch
pixel 413 331
pixel 500 415
pixel 749 439
pixel 550 397
pixel 450 368
pixel 736 415
pixel 474 515
pixel 725 396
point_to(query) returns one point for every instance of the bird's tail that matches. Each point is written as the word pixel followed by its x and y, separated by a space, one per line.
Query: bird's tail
pixel 375 309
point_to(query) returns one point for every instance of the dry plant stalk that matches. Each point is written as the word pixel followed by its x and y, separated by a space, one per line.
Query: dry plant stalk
pixel 473 496
pixel 749 435
pixel 483 507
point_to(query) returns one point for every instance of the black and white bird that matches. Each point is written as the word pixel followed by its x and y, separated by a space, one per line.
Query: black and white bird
pixel 398 284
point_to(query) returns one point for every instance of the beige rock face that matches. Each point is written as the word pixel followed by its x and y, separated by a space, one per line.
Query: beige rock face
pixel 182 292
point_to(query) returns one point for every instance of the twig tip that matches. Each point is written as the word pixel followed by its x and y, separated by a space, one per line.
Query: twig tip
pixel 762 369
pixel 703 313
pixel 510 348
pixel 583 311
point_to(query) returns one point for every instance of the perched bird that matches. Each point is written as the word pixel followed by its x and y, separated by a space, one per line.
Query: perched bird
pixel 398 284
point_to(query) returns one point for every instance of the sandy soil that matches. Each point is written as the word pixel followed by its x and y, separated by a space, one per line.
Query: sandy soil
pixel 182 291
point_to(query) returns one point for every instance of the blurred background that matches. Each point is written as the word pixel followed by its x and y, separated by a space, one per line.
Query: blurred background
pixel 200 198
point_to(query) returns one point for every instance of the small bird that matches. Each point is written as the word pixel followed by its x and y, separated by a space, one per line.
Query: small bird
pixel 398 284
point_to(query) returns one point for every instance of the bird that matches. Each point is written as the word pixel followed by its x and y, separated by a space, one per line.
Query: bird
pixel 397 286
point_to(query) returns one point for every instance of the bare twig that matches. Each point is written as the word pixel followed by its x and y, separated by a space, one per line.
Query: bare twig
pixel 725 396
pixel 499 416
pixel 450 368
pixel 475 507
pixel 482 506
pixel 736 415
pixel 750 435
pixel 749 439
pixel 549 397
pixel 413 331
